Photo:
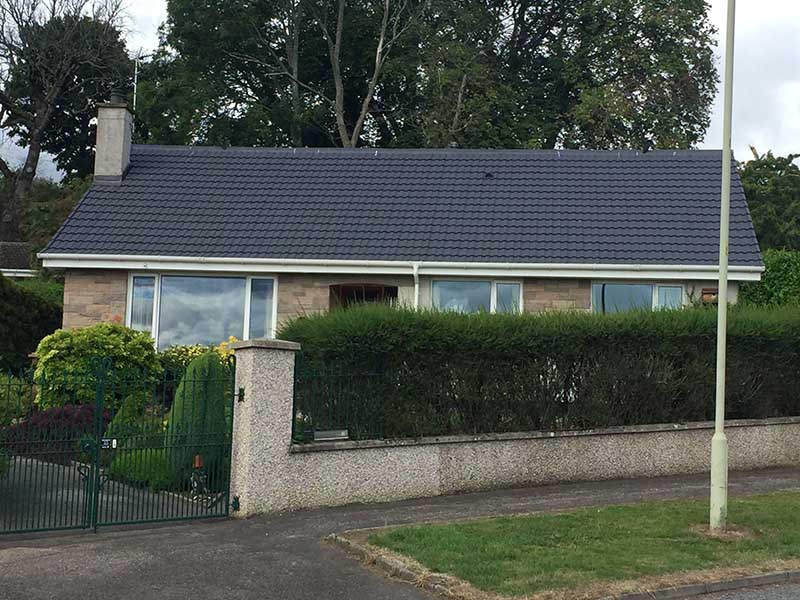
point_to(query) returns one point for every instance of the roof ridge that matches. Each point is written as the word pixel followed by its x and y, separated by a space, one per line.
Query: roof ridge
pixel 422 151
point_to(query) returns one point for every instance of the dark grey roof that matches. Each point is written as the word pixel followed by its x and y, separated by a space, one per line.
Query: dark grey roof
pixel 518 206
pixel 15 255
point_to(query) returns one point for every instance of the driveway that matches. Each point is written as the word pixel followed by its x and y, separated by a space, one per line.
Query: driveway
pixel 282 557
pixel 37 494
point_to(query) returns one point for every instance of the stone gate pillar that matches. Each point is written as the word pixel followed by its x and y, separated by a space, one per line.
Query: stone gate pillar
pixel 262 423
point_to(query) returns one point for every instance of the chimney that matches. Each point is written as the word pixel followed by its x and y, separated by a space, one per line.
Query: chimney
pixel 114 128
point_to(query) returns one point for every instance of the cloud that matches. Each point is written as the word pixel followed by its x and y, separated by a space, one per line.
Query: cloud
pixel 766 102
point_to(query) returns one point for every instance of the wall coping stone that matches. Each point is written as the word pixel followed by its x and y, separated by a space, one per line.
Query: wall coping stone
pixel 530 435
pixel 266 344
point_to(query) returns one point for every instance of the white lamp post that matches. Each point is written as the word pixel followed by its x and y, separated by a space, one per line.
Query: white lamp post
pixel 719 443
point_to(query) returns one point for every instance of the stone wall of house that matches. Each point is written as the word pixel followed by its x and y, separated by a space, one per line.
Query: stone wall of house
pixel 540 295
pixel 308 293
pixel 94 296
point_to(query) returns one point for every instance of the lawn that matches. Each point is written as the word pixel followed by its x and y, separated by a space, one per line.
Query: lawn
pixel 514 556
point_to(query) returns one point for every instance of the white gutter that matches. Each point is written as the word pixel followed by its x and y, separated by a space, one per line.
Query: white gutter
pixel 18 273
pixel 383 267
pixel 415 266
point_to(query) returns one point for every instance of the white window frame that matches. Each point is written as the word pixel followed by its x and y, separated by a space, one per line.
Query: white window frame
pixel 493 293
pixel 248 288
pixel 654 296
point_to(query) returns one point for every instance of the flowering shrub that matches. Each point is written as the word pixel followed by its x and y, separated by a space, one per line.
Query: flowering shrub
pixel 53 434
pixel 177 358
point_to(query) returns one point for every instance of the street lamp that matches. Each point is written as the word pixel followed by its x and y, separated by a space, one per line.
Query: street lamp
pixel 719 443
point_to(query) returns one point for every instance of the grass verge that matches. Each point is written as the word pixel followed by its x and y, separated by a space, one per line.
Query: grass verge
pixel 525 555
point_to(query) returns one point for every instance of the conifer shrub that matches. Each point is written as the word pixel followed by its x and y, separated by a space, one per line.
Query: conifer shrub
pixel 198 421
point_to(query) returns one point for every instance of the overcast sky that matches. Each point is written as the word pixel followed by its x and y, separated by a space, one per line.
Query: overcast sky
pixel 766 81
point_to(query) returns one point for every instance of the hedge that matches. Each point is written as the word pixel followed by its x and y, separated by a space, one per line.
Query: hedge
pixel 390 372
pixel 51 291
pixel 26 317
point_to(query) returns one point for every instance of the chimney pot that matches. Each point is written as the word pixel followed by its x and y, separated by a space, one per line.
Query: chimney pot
pixel 117 97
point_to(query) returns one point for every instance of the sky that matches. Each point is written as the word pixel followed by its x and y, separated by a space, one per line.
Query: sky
pixel 766 106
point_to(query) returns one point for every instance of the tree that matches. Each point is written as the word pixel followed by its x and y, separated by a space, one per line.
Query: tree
pixel 772 188
pixel 484 73
pixel 56 57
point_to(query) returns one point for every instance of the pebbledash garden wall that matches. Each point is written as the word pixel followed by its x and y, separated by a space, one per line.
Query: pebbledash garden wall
pixel 271 474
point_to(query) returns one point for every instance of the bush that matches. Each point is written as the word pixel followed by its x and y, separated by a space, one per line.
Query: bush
pixel 137 422
pixel 16 399
pixel 67 364
pixel 381 371
pixel 780 283
pixel 198 421
pixel 144 466
pixel 46 289
pixel 26 317
pixel 177 358
pixel 54 434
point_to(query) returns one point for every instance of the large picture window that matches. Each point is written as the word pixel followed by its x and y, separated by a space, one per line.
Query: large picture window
pixel 475 296
pixel 621 297
pixel 198 309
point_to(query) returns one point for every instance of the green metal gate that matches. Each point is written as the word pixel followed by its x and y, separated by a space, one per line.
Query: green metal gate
pixel 103 447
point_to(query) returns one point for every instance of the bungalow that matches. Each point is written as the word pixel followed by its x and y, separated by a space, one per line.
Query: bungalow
pixel 195 244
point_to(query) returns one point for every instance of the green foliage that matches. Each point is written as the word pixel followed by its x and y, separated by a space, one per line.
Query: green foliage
pixel 137 421
pixel 48 207
pixel 46 289
pixel 382 371
pixel 67 363
pixel 149 467
pixel 599 73
pixel 26 317
pixel 16 399
pixel 780 282
pixel 772 187
pixel 198 421
pixel 94 52
pixel 177 358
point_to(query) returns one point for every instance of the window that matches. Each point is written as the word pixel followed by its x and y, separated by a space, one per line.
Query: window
pixel 670 296
pixel 475 296
pixel 261 293
pixel 198 309
pixel 509 296
pixel 346 295
pixel 620 297
pixel 142 303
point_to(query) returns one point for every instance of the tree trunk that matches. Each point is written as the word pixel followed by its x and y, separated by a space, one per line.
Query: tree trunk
pixel 18 189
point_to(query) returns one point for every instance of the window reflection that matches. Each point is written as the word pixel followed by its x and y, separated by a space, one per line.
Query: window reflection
pixel 462 296
pixel 670 296
pixel 620 297
pixel 142 303
pixel 200 310
pixel 261 309
pixel 507 297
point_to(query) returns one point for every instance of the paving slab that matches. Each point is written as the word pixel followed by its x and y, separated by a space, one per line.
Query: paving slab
pixel 283 557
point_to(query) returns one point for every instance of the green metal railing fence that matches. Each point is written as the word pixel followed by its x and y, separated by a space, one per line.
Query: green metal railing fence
pixel 83 450
pixel 331 402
